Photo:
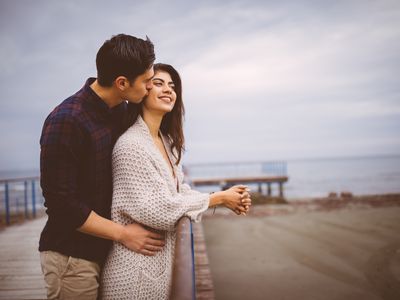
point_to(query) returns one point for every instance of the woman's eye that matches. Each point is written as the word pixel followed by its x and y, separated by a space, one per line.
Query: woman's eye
pixel 157 83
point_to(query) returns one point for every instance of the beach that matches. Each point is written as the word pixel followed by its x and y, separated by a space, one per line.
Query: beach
pixel 337 249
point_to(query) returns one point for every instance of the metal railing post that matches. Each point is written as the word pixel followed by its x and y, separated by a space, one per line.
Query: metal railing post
pixel 26 198
pixel 13 198
pixel 7 199
pixel 33 199
pixel 193 263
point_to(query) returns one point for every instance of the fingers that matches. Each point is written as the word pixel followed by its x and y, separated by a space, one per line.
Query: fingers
pixel 157 243
pixel 154 241
pixel 141 240
pixel 240 188
pixel 246 201
pixel 156 236
pixel 244 213
pixel 147 252
pixel 245 195
pixel 241 208
pixel 152 248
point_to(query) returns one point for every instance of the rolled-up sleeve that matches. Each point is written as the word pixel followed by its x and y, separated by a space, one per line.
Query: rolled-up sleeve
pixel 61 144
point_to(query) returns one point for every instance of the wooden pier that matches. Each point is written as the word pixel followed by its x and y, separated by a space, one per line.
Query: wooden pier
pixel 259 180
pixel 20 272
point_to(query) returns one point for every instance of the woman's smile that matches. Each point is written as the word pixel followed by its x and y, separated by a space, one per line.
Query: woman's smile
pixel 166 99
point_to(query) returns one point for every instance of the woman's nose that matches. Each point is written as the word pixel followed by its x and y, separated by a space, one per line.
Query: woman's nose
pixel 168 89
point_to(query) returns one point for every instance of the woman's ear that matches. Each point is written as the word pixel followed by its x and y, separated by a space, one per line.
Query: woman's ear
pixel 121 83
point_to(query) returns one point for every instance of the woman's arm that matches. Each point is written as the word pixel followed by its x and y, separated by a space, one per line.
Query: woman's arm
pixel 141 194
pixel 235 198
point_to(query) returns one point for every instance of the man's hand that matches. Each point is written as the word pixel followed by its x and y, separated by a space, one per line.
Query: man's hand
pixel 133 236
pixel 136 238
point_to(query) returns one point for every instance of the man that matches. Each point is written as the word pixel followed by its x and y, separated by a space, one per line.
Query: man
pixel 75 161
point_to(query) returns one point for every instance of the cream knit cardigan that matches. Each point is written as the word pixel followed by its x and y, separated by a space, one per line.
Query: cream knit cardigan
pixel 145 191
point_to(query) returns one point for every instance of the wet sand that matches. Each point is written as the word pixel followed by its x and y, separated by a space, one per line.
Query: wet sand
pixel 347 253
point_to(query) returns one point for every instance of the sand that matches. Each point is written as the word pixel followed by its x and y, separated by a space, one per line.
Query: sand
pixel 347 253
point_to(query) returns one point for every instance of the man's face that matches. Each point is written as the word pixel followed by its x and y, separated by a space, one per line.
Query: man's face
pixel 140 87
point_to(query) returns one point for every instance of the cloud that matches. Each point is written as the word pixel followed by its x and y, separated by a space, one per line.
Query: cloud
pixel 262 80
pixel 281 80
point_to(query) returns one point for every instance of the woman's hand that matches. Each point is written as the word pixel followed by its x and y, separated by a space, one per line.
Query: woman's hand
pixel 237 199
pixel 246 203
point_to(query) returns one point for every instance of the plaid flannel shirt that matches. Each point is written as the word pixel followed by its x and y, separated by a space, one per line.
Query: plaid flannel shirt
pixel 76 178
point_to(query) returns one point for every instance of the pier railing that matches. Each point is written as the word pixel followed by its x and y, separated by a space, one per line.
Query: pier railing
pixel 183 275
pixel 235 169
pixel 19 198
pixel 259 174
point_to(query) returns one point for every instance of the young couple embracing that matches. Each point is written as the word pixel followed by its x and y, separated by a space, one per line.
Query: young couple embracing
pixel 112 180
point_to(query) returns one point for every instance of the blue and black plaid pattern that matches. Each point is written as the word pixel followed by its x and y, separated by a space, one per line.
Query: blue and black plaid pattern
pixel 75 164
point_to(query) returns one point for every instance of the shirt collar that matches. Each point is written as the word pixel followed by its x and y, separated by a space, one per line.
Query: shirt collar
pixel 97 102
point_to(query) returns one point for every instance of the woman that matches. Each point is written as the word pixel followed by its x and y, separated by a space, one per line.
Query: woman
pixel 149 189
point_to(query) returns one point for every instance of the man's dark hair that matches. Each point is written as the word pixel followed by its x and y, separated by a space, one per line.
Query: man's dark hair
pixel 123 55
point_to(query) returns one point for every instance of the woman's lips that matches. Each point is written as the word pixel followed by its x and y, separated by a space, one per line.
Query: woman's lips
pixel 166 99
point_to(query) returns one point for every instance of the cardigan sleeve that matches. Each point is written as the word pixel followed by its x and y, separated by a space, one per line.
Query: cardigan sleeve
pixel 186 190
pixel 141 193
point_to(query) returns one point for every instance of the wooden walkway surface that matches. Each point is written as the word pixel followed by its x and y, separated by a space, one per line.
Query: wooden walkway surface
pixel 21 276
pixel 20 273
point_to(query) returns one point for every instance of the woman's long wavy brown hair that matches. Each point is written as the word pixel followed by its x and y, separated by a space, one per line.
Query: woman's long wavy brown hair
pixel 172 123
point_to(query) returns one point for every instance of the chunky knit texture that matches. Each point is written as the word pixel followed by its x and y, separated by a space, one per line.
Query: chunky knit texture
pixel 146 192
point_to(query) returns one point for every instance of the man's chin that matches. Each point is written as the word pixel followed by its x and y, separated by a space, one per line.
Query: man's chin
pixel 135 101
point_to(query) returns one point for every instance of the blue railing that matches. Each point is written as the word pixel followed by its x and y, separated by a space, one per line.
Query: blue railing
pixel 22 197
pixel 19 198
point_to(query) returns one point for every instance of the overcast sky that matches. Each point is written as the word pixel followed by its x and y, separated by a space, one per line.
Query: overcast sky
pixel 262 80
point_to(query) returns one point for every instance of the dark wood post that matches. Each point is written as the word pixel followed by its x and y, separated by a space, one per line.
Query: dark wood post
pixel 280 189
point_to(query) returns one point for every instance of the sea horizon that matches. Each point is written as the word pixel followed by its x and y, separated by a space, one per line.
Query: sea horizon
pixel 308 177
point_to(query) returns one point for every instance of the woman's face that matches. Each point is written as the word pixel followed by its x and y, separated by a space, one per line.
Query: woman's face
pixel 162 95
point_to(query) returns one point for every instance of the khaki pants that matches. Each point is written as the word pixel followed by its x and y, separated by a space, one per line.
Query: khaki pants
pixel 68 277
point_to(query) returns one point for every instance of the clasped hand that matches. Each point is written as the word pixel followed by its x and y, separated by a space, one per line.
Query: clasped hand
pixel 237 199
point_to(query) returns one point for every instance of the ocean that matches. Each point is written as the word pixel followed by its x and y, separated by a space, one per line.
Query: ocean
pixel 319 177
pixel 360 176
pixel 307 178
